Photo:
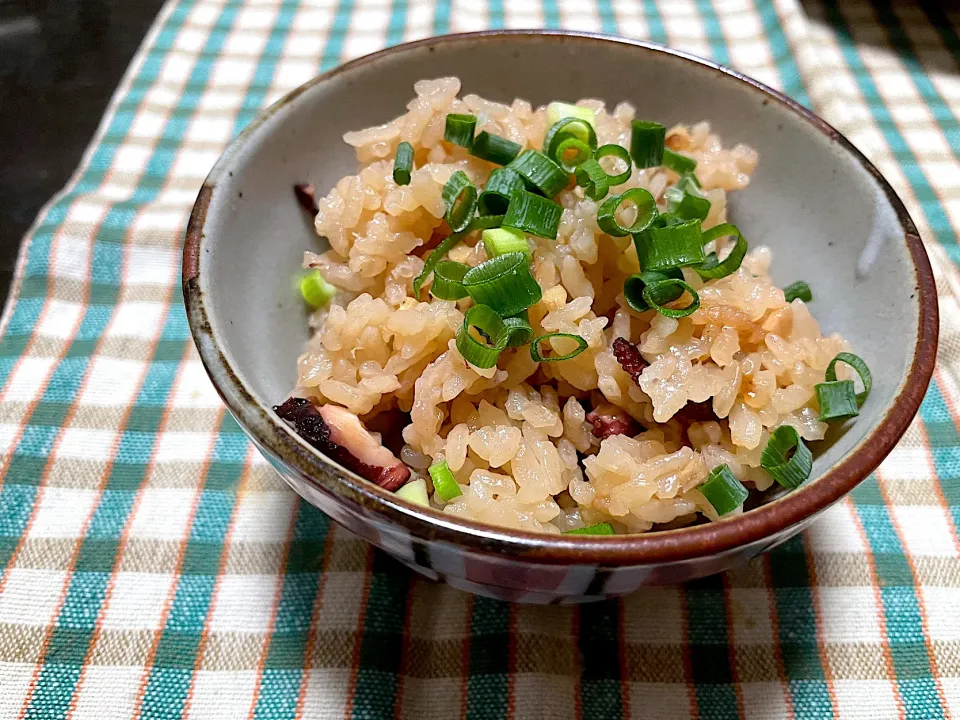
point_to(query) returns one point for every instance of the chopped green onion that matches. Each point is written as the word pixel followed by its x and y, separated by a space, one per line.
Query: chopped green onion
pixel 316 291
pixel 484 222
pixel 684 200
pixel 646 212
pixel 676 162
pixel 460 197
pixel 444 483
pixel 796 290
pixel 723 490
pixel 490 325
pixel 712 267
pixel 503 283
pixel 595 182
pixel 654 294
pixel 494 148
pixel 857 364
pixel 582 150
pixel 501 185
pixel 415 492
pixel 533 214
pixel 540 172
pixel 837 400
pixel 789 470
pixel 569 127
pixel 619 152
pixel 500 241
pixel 600 528
pixel 403 164
pixel 435 257
pixel 519 328
pixel 634 286
pixel 538 356
pixel 675 245
pixel 646 143
pixel 448 280
pixel 556 111
pixel 459 129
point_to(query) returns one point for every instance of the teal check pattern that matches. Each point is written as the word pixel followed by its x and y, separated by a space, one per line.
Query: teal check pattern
pixel 152 565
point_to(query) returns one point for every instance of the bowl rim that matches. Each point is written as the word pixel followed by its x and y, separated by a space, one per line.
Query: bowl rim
pixel 764 522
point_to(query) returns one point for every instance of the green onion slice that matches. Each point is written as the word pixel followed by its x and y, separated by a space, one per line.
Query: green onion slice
pixel 489 324
pixel 503 283
pixel 723 490
pixel 501 185
pixel 857 364
pixel 316 291
pixel 655 294
pixel 500 241
pixel 837 400
pixel 403 164
pixel 593 180
pixel 519 328
pixel 444 483
pixel 684 199
pixel 494 148
pixel 435 257
pixel 569 127
pixel 556 111
pixel 600 528
pixel 646 212
pixel 570 163
pixel 619 152
pixel 677 162
pixel 675 244
pixel 533 214
pixel 646 143
pixel 787 458
pixel 799 289
pixel 415 492
pixel 460 197
pixel 448 280
pixel 459 129
pixel 485 222
pixel 634 286
pixel 540 172
pixel 712 267
pixel 538 356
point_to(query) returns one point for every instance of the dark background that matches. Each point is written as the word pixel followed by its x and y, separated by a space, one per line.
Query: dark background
pixel 60 61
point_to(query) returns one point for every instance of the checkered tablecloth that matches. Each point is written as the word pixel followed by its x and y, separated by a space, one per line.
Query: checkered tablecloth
pixel 154 566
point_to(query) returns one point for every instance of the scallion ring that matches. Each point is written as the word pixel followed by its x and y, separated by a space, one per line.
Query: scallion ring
pixel 519 329
pixel 316 291
pixel 723 491
pixel 581 153
pixel 684 199
pixel 677 162
pixel 484 222
pixel 540 172
pixel 501 240
pixel 494 148
pixel 533 214
pixel 669 243
pixel 713 267
pixel 592 178
pixel 444 483
pixel 600 528
pixel 646 212
pixel 620 153
pixel 538 356
pixel 403 164
pixel 634 286
pixel 786 457
pixel 458 129
pixel 435 257
pixel 798 290
pixel 490 325
pixel 857 364
pixel 503 283
pixel 501 185
pixel 448 280
pixel 837 400
pixel 569 127
pixel 655 294
pixel 460 197
pixel 646 143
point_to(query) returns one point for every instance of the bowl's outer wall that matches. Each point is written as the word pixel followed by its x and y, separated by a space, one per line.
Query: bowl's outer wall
pixel 809 200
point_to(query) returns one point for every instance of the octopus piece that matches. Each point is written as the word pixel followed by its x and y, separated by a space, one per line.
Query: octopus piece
pixel 607 419
pixel 339 434
pixel 629 357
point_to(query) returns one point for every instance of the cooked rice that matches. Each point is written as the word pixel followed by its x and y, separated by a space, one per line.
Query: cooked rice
pixel 516 436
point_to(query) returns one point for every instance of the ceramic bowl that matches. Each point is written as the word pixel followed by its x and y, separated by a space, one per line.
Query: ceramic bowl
pixel 815 200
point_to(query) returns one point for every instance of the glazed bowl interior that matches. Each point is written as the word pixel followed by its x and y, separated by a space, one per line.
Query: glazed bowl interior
pixel 824 214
